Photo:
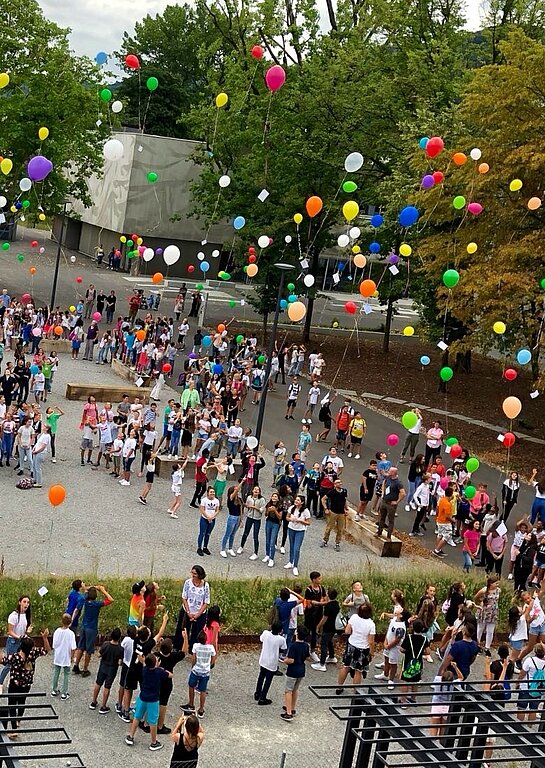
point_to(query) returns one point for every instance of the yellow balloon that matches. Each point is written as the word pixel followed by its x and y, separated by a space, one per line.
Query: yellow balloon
pixel 405 249
pixel 221 100
pixel 72 308
pixel 6 165
pixel 41 216
pixel 408 330
pixel 350 210
pixel 13 209
pixel 296 311
pixel 472 247
pixel 298 218
pixel 139 241
pixel 356 249
pixel 252 270
pixel 122 239
pixel 375 294
pixel 4 79
pixel 499 327
pixel 515 185
pixel 43 133
pixel 360 261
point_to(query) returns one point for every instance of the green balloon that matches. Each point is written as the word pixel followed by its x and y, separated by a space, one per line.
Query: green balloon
pixel 105 94
pixel 152 83
pixel 472 465
pixel 199 286
pixel 451 278
pixel 459 202
pixel 20 257
pixel 26 204
pixel 450 441
pixel 129 243
pixel 152 177
pixel 542 283
pixel 239 339
pixel 349 186
pixel 446 373
pixel 261 359
pixel 470 492
pixel 5 246
pixel 409 419
pixel 291 286
pixel 131 254
pixel 226 276
pixel 232 303
pixel 245 268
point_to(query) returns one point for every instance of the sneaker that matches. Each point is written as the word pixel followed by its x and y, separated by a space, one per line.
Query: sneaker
pixel 206 551
pixel 103 710
pixel 357 456
pixel 85 673
pixel 54 693
pixel 407 508
pixel 124 482
pixel 270 564
pixel 118 709
pixel 438 653
pixel 129 740
pixel 155 746
pixel 331 660
pixel 125 716
pixel 93 705
pixel 200 713
pixel 337 547
pixel 285 716
pixel 288 565
pixel 413 535
pixel 296 572
pixel 233 554
pixel 187 708
pixel 451 543
pixel 314 656
pixel 65 696
pixel 319 667
pixel 223 553
pixel 265 559
pixel 142 501
pixel 379 666
pixel 303 421
pixel 200 552
pixel 437 553
pixel 173 515
pixel 381 676
pixel 509 577
pixel 323 543
pixel 282 550
pixel 143 727
pixel 164 729
pixel 240 551
pixel 350 455
pixel 264 702
pixel 53 461
pixel 253 557
pixel 391 684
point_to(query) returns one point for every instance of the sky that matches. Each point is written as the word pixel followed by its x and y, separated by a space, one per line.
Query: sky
pixel 98 25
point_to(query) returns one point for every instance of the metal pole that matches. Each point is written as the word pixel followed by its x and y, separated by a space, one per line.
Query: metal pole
pixel 263 398
pixel 57 262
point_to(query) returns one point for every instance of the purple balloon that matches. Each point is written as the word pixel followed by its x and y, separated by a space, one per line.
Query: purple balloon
pixel 427 181
pixel 159 252
pixel 38 168
pixel 393 258
pixel 192 356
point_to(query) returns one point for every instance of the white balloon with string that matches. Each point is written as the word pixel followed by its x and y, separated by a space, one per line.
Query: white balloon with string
pixel 171 254
pixel 200 255
pixel 287 239
pixel 309 280
pixel 215 253
pixel 263 241
pixel 354 233
pixel 148 254
pixel 342 241
pixel 117 106
pixel 224 181
pixel 3 201
pixel 252 442
pixel 353 162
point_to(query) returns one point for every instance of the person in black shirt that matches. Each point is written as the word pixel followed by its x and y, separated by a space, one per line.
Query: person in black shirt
pixel 327 628
pixel 168 658
pixel 335 504
pixel 315 596
pixel 111 301
pixel 367 488
pixel 143 645
pixel 111 658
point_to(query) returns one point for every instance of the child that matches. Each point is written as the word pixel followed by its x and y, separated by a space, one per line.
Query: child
pixel 116 450
pixel 272 642
pixel 64 644
pixel 472 542
pixel 212 628
pixel 413 646
pixel 128 648
pixel 367 488
pixel 383 466
pixel 222 467
pixel 177 479
pixel 443 686
pixel 111 658
pixel 147 701
pixel 303 441
pixel 279 459
pixel 311 482
pixel 312 400
pixel 420 503
pixel 392 650
pixel 150 475
pixel 298 653
pixel 297 610
pixel 282 608
pixel 521 529
pixel 518 631
pixel 168 658
pixel 201 659
pixel 89 430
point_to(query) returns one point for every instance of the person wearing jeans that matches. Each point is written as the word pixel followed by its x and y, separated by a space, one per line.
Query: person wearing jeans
pixel 298 518
pixel 272 643
pixel 18 626
pixel 39 453
pixel 273 516
pixel 255 506
pixel 234 520
pixel 327 628
pixel 200 478
pixel 209 508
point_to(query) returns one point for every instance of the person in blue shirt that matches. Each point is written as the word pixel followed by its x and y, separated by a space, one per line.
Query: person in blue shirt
pixel 284 605
pixel 298 653
pixel 303 441
pixel 383 466
pixel 147 701
pixel 299 466
pixel 74 603
pixel 89 627
pixel 311 482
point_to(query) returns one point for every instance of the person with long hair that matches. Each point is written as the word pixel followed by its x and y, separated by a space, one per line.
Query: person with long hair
pixel 509 494
pixel 187 737
pixel 153 603
pixel 195 603
pixel 298 520
pixel 488 599
pixel 417 468
pixel 538 505
pixel 273 518
pixel 22 665
pixel 19 625
pixel 518 630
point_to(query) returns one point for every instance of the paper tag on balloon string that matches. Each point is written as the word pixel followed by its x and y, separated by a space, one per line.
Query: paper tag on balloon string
pixel 2 218
pixel 534 394
pixel 304 264
pixel 242 302
pixel 501 438
pixel 43 591
pixel 442 346
pixel 231 469
pixel 367 308
pixel 263 195
pixel 393 269
pixel 203 242
pixel 501 530
pixel 336 278
pixel 447 448
pixel 98 123
pixel 140 148
pixel 139 381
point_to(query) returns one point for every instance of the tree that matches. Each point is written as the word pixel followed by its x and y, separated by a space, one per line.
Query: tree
pixel 49 87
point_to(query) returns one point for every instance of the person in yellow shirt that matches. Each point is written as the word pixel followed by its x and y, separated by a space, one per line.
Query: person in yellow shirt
pixel 444 523
pixel 356 433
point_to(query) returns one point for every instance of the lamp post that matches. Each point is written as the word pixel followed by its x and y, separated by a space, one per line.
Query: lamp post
pixel 58 259
pixel 283 268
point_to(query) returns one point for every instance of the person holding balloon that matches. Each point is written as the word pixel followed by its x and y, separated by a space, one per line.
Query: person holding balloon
pixel 538 505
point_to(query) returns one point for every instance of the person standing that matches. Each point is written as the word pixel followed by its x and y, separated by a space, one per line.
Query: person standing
pixel 234 520
pixel 209 509
pixel 392 493
pixel 195 602
pixel 64 644
pixel 19 625
pixel 298 519
pixel 111 300
pixel 327 629
pixel 147 701
pixel 434 437
pixel 111 658
pixel 255 506
pixel 315 597
pixel 22 667
pixel 200 478
pixel 89 627
pixel 187 736
pixel 297 654
pixel 39 454
pixel 335 504
pixel 293 393
pixel 412 437
pixel 272 642
pixel 90 340
pixel 89 300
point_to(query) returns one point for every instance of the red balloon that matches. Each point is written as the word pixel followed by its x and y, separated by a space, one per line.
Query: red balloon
pixel 456 450
pixel 510 374
pixel 257 52
pixel 191 268
pixel 252 258
pixel 79 279
pixel 434 146
pixel 167 368
pixel 132 61
pixel 438 177
pixel 34 244
pixel 350 307
pixel 509 439
pixel 251 249
pixel 26 298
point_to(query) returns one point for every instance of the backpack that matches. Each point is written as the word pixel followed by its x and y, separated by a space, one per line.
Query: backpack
pixel 24 484
pixel 322 414
pixel 414 669
pixel 536 687
pixel 257 381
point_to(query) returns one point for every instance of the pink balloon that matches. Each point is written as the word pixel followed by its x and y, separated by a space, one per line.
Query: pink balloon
pixel 26 298
pixel 97 316
pixel 443 482
pixel 475 208
pixel 36 331
pixel 275 77
pixel 141 249
pixel 392 440
pixel 42 250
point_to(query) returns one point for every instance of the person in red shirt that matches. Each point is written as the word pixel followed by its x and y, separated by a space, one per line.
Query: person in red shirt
pixel 342 422
pixel 134 306
pixel 200 478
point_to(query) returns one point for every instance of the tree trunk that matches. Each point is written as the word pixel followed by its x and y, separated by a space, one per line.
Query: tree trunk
pixel 388 325
pixel 264 326
pixel 463 362
pixel 308 319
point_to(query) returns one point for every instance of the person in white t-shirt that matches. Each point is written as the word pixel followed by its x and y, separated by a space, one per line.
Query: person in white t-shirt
pixel 209 508
pixel 128 454
pixel 361 631
pixel 272 643
pixel 333 458
pixel 312 400
pixel 19 624
pixel 531 684
pixel 176 480
pixel 64 645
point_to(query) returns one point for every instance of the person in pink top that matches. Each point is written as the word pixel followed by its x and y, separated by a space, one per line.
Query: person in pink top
pixel 434 437
pixel 472 541
pixel 480 500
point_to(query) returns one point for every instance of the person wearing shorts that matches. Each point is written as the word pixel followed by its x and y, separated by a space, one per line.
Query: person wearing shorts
pixel 298 653
pixel 443 686
pixel 361 631
pixel 147 701
pixel 89 628
pixel 530 696
pixel 87 442
pixel 444 523
pixel 129 452
pixel 202 655
pixel 111 657
pixel 150 476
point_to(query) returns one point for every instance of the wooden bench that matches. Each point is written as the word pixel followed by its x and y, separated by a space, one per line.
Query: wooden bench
pixel 163 468
pixel 106 392
pixel 363 531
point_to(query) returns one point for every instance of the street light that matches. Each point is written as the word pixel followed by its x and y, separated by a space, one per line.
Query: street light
pixel 58 260
pixel 283 268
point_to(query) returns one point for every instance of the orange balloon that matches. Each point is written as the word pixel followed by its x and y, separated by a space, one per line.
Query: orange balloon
pixel 367 288
pixel 140 335
pixel 296 311
pixel 459 158
pixel 221 328
pixel 484 168
pixel 57 494
pixel 58 330
pixel 359 260
pixel 32 270
pixel 534 203
pixel 314 205
pixel 157 278
pixel 512 407
pixel 251 270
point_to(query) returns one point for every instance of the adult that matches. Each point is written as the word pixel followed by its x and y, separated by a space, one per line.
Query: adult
pixel 254 506
pixel 335 504
pixel 412 437
pixel 187 736
pixel 89 627
pixel 134 305
pixel 111 301
pixel 195 601
pixel 89 300
pixel 361 631
pixel 209 508
pixel 434 438
pixel 488 602
pixel 416 471
pixel 39 454
pixel 298 519
pixel 22 665
pixel 392 493
pixel 273 518
pixel 333 458
pixel 495 549
pixel 90 340
pixel 19 624
pixel 315 597
pixel 538 505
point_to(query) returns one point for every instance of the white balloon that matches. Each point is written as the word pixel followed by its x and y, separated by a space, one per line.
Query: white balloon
pixel 263 241
pixel 224 181
pixel 309 280
pixel 200 255
pixel 287 239
pixel 73 259
pixel 354 233
pixel 23 218
pixel 353 162
pixel 117 106
pixel 171 254
pixel 342 241
pixel 252 442
pixel 475 154
pixel 25 184
pixel 215 253
pixel 3 201
pixel 113 149
pixel 148 254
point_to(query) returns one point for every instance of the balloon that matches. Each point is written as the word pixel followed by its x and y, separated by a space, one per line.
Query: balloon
pixel 32 270
pixel 117 106
pixel 450 441
pixel 367 288
pixel 58 330
pixel 438 177
pixel 5 246
pixel 132 61
pixel 443 482
pixel 350 210
pixel 113 150
pixel 446 373
pixel 97 316
pixel 224 181
pixel 374 247
pixel 200 256
pixel 275 77
pixel 472 248
pixel 405 250
pixel 427 181
pixel 459 202
pixel 534 203
pixel 354 233
pixel 356 249
pixel 360 261
pixel 377 220
pixel 207 341
pixel 314 205
pixel 239 339
pixel 287 239
pixel 296 311
pixel 309 280
pixel 283 304
pixel 475 153
pixel 470 492
pixel 101 58
pixel 353 162
pixel 152 177
pixel 191 268
pixel 291 298
pixel 252 442
pixel 509 440
pixel 4 79
pixel 257 52
pixel 36 332
pixel 157 278
pixel 456 451
pixel 475 208
pixel 425 360
pixel 343 241
pixel 25 184
pixel 261 359
pixel 542 281
pixel 217 369
pixel 221 328
pixel 122 239
pixel 472 465
pixel 524 356
pixel 252 270
pixel 263 241
pixel 392 440
pixel 459 158
pixel 79 279
pixel 72 308
pixel 515 185
pixel 434 146
pixel 105 94
pixel 43 133
pixel 205 266
pixel 148 254
pixel 349 186
pixel 409 419
pixel 166 368
pixel 451 278
pixel 252 258
pixel 152 84
pixel 499 327
pixel 39 167
pixel 484 168
pixel 221 100
pixel 409 215
pixel 26 204
pixel 140 335
pixel 511 407
pixel 408 330
pixel 298 218
pixel 350 307
pixel 3 201
pixel 129 243
pixel 20 258
pixel 227 276
pixel 41 216
pixel 6 165
pixel 510 374
pixel 239 222
pixel 423 142
pixel 171 254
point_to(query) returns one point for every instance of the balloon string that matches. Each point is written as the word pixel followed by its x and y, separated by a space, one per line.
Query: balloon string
pixel 421 229
pixel 266 125
pixel 213 214
pixel 139 100
pixel 357 335
pixel 382 276
pixel 445 316
pixel 299 240
pixel 248 91
pixel 328 210
pixel 214 131
pixel 342 359
pixel 159 209
pixel 146 113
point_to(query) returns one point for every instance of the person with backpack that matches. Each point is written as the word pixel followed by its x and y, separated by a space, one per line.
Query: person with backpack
pixel 257 379
pixel 531 684
pixel 356 433
pixel 294 390
pixel 324 417
pixel 414 646
pixel 342 423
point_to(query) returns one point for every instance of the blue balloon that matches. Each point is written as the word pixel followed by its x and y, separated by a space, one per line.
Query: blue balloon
pixel 18 205
pixel 377 220
pixel 374 247
pixel 408 216
pixel 205 266
pixel 34 369
pixel 423 143
pixel 291 298
pixel 206 341
pixel 341 265
pixel 217 369
pixel 239 222
pixel 101 58
pixel 425 360
pixel 283 304
pixel 524 356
